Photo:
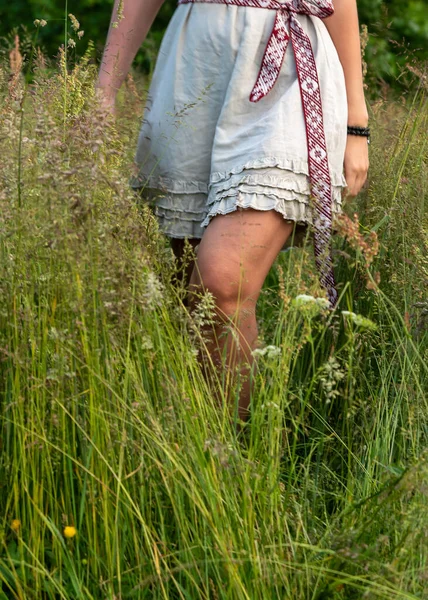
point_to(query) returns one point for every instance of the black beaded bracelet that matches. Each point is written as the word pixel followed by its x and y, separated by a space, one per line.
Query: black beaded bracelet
pixel 362 131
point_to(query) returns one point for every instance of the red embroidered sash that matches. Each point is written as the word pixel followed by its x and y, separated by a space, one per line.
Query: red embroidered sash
pixel 287 27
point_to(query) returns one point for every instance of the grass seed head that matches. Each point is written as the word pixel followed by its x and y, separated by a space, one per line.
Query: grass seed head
pixel 74 22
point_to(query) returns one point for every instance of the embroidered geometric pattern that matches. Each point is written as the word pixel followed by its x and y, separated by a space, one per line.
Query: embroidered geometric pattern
pixel 286 28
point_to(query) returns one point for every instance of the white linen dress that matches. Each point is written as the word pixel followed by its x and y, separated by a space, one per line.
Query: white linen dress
pixel 205 149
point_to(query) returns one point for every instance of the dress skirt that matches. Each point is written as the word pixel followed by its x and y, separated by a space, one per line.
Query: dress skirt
pixel 204 149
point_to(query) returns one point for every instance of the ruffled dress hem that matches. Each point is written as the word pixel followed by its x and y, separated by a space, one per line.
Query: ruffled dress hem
pixel 185 208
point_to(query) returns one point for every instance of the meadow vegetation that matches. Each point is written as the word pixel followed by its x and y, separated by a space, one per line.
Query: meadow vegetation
pixel 120 477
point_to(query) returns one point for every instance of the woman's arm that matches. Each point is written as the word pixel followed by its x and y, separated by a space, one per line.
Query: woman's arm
pixel 123 42
pixel 344 30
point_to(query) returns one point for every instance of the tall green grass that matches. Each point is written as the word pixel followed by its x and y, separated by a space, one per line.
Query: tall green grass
pixel 108 427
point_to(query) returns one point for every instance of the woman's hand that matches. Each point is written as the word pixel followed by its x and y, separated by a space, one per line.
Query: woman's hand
pixel 356 163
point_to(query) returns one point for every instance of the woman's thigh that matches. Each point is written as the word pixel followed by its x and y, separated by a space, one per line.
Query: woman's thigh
pixel 236 252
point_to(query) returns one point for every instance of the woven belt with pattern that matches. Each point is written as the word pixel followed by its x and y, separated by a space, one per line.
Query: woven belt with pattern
pixel 286 28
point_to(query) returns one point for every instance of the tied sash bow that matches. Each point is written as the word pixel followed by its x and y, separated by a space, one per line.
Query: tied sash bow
pixel 287 27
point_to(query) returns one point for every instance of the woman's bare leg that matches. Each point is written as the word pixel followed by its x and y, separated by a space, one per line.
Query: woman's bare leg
pixel 234 257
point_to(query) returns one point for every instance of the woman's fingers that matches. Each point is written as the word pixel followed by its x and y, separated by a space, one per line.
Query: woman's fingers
pixel 356 163
pixel 355 178
pixel 355 183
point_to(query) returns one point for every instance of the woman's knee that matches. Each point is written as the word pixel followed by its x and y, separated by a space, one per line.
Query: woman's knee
pixel 231 287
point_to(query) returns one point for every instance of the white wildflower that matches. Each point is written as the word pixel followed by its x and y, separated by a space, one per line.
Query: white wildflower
pixel 359 320
pixel 259 352
pixel 273 351
pixel 80 34
pixel 305 299
pixel 323 302
pixel 268 351
pixel 71 43
pixel 43 23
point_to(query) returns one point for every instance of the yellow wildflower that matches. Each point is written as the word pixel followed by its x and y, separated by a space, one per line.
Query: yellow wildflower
pixel 16 524
pixel 70 531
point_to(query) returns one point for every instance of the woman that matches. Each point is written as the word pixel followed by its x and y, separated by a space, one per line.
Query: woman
pixel 256 121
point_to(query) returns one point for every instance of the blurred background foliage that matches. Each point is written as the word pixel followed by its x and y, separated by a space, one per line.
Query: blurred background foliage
pixel 398 32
